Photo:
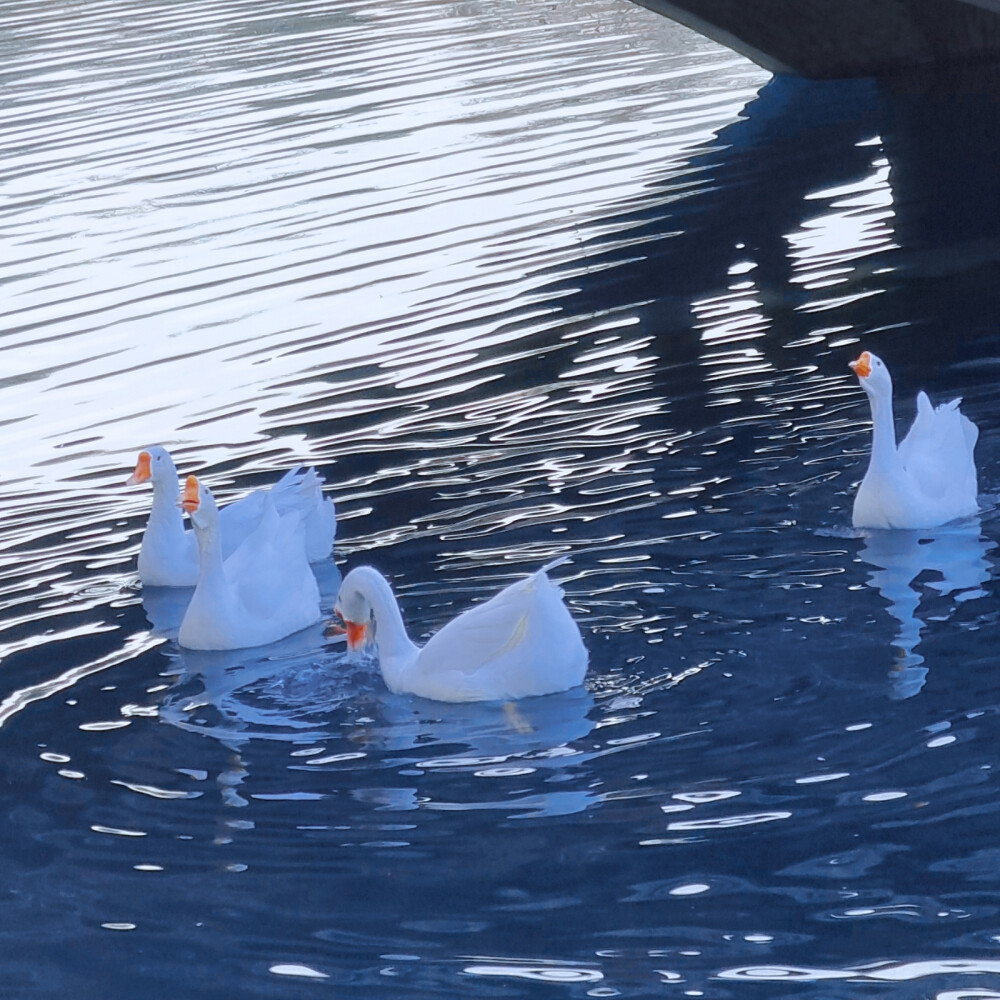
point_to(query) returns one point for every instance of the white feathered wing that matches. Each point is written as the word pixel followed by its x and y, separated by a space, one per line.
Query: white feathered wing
pixel 519 643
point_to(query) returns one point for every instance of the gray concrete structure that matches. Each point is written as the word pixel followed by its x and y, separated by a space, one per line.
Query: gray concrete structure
pixel 824 39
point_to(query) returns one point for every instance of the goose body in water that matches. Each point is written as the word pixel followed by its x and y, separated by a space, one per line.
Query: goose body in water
pixel 262 592
pixel 521 642
pixel 168 556
pixel 930 477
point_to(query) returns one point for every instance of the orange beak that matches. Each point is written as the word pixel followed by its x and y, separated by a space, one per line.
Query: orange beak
pixel 142 470
pixel 190 498
pixel 357 632
pixel 862 365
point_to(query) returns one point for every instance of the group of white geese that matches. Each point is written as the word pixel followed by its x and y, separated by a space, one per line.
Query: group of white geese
pixel 249 563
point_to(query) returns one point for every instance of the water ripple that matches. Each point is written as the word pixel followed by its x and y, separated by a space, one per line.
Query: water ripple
pixel 521 281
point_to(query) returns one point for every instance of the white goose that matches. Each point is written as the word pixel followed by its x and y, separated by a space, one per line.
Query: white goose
pixel 264 591
pixel 521 642
pixel 168 556
pixel 930 478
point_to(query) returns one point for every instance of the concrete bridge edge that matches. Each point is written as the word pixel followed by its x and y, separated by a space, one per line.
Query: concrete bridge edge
pixel 824 39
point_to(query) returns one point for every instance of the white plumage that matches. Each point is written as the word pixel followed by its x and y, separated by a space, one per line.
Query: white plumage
pixel 521 642
pixel 262 592
pixel 168 556
pixel 930 478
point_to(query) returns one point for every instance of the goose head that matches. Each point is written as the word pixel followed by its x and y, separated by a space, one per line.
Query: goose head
pixel 354 609
pixel 872 374
pixel 154 464
pixel 200 505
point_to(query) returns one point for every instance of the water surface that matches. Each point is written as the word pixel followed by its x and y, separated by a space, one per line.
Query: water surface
pixel 520 280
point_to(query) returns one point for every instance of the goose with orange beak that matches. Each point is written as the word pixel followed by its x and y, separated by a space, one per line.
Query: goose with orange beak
pixel 168 556
pixel 930 477
pixel 263 592
pixel 519 643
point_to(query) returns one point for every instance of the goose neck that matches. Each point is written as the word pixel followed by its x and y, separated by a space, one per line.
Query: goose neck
pixel 884 451
pixel 209 555
pixel 395 648
pixel 165 512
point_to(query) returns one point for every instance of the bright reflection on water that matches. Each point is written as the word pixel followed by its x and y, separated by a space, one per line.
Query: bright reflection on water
pixel 520 279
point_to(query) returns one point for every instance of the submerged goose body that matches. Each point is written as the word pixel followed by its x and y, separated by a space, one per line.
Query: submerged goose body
pixel 930 477
pixel 521 642
pixel 263 592
pixel 168 556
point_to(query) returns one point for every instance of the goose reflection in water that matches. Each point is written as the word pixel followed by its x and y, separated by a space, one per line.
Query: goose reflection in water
pixel 164 608
pixel 297 690
pixel 956 552
pixel 334 705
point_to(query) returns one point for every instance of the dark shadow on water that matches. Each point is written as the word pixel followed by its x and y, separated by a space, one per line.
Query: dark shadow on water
pixel 918 276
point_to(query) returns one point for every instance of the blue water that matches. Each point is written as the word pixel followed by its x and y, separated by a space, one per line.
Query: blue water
pixel 520 280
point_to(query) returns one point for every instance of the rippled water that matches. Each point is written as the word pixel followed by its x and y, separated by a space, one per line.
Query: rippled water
pixel 519 279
